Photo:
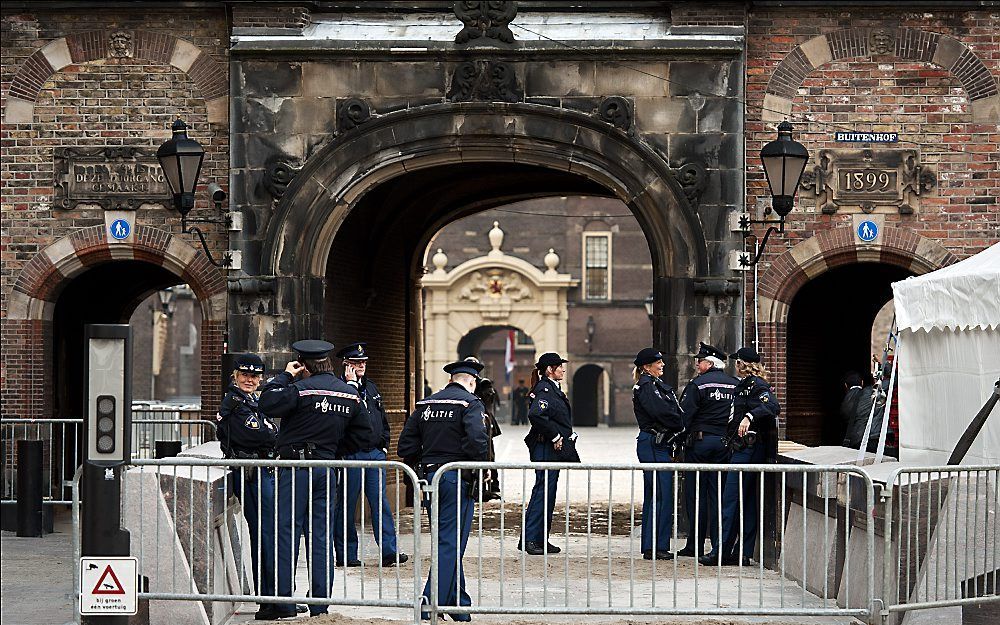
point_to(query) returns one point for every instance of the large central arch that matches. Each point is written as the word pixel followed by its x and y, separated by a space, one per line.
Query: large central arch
pixel 349 198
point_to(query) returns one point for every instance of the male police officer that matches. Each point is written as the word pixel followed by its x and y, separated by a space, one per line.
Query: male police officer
pixel 319 413
pixel 355 356
pixel 449 426
pixel 706 404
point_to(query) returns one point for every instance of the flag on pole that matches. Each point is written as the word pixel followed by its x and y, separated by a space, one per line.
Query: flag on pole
pixel 508 357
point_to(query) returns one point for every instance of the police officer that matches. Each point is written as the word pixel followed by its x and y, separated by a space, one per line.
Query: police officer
pixel 659 416
pixel 551 431
pixel 319 413
pixel 449 426
pixel 706 403
pixel 355 356
pixel 751 425
pixel 245 432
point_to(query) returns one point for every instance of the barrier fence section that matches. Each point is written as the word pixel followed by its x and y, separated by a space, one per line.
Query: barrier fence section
pixel 592 562
pixel 942 538
pixel 62 440
pixel 232 530
pixel 191 432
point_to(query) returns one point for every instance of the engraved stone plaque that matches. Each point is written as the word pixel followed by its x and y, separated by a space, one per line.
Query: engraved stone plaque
pixel 869 180
pixel 116 178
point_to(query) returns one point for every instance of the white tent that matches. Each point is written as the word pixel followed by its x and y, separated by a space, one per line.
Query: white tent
pixel 949 358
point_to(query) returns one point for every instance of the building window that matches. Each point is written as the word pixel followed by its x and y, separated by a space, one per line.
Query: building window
pixel 597 266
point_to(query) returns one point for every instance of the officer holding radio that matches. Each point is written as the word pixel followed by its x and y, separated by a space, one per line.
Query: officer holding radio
pixel 247 433
pixel 753 419
pixel 660 423
pixel 320 414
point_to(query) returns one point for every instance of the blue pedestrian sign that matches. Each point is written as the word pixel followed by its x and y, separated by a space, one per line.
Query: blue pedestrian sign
pixel 120 229
pixel 867 231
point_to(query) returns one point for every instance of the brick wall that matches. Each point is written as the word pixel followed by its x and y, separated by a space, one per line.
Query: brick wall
pixel 97 100
pixel 860 89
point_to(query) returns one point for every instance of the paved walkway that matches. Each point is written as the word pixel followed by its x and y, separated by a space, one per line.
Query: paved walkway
pixel 36 576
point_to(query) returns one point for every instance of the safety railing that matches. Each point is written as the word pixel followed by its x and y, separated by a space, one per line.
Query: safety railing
pixel 190 432
pixel 232 531
pixel 596 564
pixel 62 440
pixel 942 539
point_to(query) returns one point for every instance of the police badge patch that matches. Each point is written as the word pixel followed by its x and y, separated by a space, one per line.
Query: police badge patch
pixel 763 398
pixel 543 404
pixel 252 423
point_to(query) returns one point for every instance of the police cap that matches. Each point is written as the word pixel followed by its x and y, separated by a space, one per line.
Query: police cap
pixel 746 354
pixel 354 351
pixel 312 349
pixel 707 350
pixel 464 366
pixel 646 356
pixel 249 363
pixel 549 359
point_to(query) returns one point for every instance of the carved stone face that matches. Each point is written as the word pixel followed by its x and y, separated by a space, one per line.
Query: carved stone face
pixel 881 41
pixel 120 44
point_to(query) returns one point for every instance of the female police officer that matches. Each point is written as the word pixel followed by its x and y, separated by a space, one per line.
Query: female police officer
pixel 751 424
pixel 659 416
pixel 245 432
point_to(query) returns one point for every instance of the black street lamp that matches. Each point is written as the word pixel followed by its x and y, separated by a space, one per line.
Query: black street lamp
pixel 167 301
pixel 648 303
pixel 784 161
pixel 180 159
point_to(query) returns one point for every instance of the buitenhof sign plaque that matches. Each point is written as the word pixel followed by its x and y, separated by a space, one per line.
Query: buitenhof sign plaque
pixel 115 178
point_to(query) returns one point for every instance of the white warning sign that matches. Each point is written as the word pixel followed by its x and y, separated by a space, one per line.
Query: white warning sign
pixel 108 586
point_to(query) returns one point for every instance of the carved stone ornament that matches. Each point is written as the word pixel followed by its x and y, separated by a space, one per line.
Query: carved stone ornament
pixel 485 18
pixel 495 290
pixel 868 180
pixel 120 44
pixel 489 81
pixel 114 178
pixel 881 41
pixel 352 113
pixel 617 111
pixel 279 171
pixel 692 177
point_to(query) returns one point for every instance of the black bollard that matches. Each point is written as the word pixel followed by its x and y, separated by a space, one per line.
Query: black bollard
pixel 166 449
pixel 29 488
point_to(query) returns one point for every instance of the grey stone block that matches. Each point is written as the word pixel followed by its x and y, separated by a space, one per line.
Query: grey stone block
pixel 272 78
pixel 704 77
pixel 559 79
pixel 410 79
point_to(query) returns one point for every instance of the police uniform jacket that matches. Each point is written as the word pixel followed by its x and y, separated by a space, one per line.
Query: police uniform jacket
pixel 371 401
pixel 656 406
pixel 447 426
pixel 707 402
pixel 321 411
pixel 243 430
pixel 755 399
pixel 549 413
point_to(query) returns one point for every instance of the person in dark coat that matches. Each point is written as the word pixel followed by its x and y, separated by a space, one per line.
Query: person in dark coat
pixel 658 413
pixel 449 426
pixel 520 415
pixel 706 404
pixel 244 432
pixel 751 426
pixel 550 439
pixel 355 357
pixel 320 415
pixel 855 409
pixel 487 393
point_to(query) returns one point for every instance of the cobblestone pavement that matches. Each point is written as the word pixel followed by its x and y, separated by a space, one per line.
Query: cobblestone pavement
pixel 36 576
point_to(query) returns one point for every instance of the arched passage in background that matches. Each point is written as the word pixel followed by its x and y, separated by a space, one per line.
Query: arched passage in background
pixel 590 394
pixel 829 333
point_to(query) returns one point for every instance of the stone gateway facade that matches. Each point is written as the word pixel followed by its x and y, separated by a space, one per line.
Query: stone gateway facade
pixel 348 134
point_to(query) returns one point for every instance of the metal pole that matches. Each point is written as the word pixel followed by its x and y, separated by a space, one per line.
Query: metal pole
pixel 29 488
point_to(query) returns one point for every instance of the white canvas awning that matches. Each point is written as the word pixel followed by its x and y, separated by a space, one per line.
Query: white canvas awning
pixel 949 358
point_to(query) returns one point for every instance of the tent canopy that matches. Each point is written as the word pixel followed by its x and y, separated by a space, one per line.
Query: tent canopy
pixel 960 296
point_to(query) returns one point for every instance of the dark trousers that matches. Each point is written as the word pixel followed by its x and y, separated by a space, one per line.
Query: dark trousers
pixel 709 450
pixel 255 490
pixel 306 510
pixel 538 516
pixel 383 527
pixel 454 521
pixel 658 508
pixel 731 525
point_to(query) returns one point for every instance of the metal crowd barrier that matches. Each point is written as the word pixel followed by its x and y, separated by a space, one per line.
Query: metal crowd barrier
pixel 942 538
pixel 600 569
pixel 190 432
pixel 61 441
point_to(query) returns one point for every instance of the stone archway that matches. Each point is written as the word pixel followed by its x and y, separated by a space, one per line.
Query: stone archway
pixel 492 290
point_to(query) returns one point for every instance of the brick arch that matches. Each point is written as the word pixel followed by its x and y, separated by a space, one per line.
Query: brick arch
pixel 40 282
pixel 209 76
pixel 840 246
pixel 905 43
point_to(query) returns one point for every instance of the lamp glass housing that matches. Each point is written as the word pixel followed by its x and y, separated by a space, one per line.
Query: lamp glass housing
pixel 784 161
pixel 180 159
